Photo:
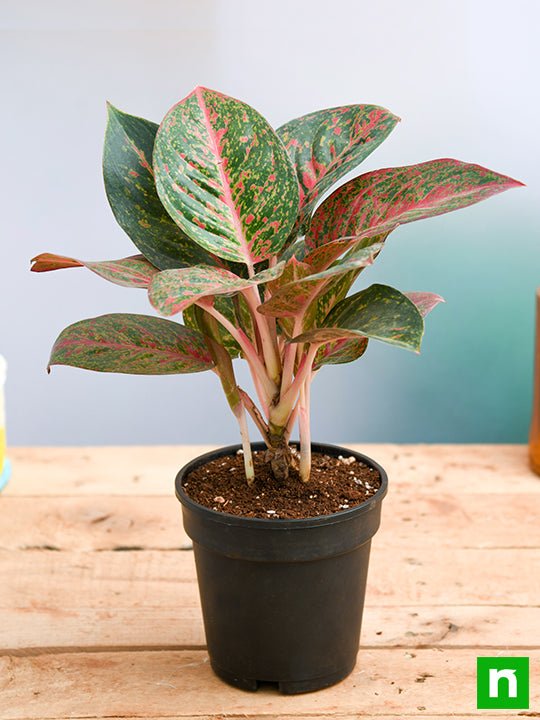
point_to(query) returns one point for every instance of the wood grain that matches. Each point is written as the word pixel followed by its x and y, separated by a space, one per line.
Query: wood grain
pixel 490 469
pixel 145 684
pixel 99 607
pixel 100 522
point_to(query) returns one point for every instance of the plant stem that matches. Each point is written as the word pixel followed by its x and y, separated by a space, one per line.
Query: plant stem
pixel 263 399
pixel 270 388
pixel 256 416
pixel 269 345
pixel 289 359
pixel 305 431
pixel 290 423
pixel 280 413
pixel 240 414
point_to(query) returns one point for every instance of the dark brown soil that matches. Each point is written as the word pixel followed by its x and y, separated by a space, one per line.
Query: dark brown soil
pixel 336 484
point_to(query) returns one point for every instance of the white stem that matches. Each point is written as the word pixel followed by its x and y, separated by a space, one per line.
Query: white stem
pixel 246 444
pixel 305 430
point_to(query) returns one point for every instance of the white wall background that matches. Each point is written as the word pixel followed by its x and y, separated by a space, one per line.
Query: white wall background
pixel 462 74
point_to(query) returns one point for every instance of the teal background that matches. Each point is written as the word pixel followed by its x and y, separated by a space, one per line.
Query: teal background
pixel 462 75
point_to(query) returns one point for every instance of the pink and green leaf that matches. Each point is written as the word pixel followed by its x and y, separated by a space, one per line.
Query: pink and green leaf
pixel 234 309
pixel 383 199
pixel 294 297
pixel 424 301
pixel 131 191
pixel 131 344
pixel 379 312
pixel 346 351
pixel 225 177
pixel 326 144
pixel 340 351
pixel 172 291
pixel 134 271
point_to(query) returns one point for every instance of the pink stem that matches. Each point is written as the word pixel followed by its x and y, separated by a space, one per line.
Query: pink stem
pixel 249 351
pixel 269 348
pixel 290 422
pixel 289 357
pixel 280 413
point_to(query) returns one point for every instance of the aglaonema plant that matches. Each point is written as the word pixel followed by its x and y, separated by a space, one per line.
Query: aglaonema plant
pixel 227 218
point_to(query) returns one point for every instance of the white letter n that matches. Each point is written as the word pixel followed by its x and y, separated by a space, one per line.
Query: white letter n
pixel 495 676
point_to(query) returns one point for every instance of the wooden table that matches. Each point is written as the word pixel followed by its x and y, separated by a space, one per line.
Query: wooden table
pixel 99 611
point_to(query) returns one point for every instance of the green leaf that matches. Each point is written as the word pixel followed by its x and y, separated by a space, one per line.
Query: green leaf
pixel 346 351
pixel 291 299
pixel 130 188
pixel 296 249
pixel 326 144
pixel 378 312
pixel 339 352
pixel 193 316
pixel 225 178
pixel 383 199
pixel 172 291
pixel 134 271
pixel 132 344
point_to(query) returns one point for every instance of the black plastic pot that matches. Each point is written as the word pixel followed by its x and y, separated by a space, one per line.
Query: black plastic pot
pixel 282 600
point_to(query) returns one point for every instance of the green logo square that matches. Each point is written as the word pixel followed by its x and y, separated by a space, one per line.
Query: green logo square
pixel 502 683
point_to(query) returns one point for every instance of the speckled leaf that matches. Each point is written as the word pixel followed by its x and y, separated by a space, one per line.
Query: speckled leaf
pixel 296 249
pixel 134 271
pixel 192 318
pixel 326 144
pixel 323 256
pixel 225 177
pixel 378 312
pixel 130 187
pixel 346 351
pixel 340 351
pixel 131 344
pixel 292 298
pixel 424 301
pixel 383 199
pixel 172 291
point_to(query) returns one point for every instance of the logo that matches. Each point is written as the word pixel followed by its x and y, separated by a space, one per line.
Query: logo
pixel 502 683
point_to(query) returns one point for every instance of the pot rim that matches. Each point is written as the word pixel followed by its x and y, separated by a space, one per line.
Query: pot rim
pixel 277 523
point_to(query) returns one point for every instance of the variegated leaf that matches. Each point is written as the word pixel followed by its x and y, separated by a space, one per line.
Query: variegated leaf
pixel 424 301
pixel 339 352
pixel 132 344
pixel 134 271
pixel 292 298
pixel 130 187
pixel 193 318
pixel 323 256
pixel 378 312
pixel 383 199
pixel 225 177
pixel 296 249
pixel 326 144
pixel 346 351
pixel 172 291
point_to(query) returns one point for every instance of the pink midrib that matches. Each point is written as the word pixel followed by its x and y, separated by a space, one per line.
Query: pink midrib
pixel 226 189
pixel 124 346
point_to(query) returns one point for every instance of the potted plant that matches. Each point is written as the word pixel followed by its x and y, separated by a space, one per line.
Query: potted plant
pixel 226 215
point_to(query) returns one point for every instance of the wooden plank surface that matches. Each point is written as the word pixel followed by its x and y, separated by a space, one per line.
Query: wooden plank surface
pixel 142 684
pixel 99 522
pixel 490 469
pixel 99 608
